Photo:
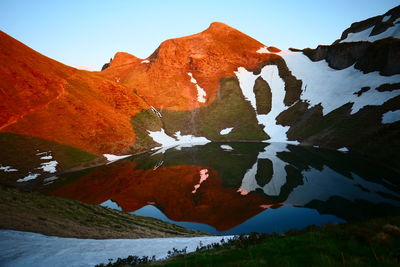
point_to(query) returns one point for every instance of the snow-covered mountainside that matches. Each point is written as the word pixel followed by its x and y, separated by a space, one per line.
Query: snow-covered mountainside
pixel 217 85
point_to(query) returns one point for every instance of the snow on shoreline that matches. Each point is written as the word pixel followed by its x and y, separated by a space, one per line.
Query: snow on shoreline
pixel 31 249
pixel 29 177
pixel 112 158
pixel 179 141
pixel 7 169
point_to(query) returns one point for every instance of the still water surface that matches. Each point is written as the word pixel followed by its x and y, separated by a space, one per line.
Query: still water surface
pixel 233 188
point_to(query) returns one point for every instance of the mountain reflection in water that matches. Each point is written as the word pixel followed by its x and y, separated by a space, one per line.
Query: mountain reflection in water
pixel 240 187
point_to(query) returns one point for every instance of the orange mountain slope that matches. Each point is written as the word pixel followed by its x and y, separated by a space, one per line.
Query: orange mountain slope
pixel 92 111
pixel 163 80
pixel 46 99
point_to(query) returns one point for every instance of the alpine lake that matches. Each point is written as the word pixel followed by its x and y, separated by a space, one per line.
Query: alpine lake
pixel 238 188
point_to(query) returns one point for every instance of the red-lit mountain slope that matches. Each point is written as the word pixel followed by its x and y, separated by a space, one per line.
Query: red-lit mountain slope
pixel 163 79
pixel 46 99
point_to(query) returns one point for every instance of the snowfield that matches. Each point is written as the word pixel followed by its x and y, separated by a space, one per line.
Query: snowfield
pixel 31 249
pixel 365 35
pixel 270 74
pixel 338 86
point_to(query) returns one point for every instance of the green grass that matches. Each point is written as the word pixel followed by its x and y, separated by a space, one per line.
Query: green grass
pixel 372 243
pixel 228 110
pixel 21 154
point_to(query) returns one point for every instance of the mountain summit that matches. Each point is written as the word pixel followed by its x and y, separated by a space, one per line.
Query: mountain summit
pixel 163 78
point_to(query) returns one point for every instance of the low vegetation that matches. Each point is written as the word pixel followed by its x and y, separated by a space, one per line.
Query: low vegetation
pixel 372 243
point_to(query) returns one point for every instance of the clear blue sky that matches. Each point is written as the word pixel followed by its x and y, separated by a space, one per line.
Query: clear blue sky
pixel 87 32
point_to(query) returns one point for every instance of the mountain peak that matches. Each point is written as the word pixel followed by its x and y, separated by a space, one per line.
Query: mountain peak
pixel 122 58
pixel 219 26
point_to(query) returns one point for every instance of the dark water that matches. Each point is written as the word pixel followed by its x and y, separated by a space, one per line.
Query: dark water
pixel 232 188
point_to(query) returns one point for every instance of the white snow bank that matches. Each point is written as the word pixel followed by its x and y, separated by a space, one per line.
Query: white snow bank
pixel 263 50
pixel 29 177
pixel 112 158
pixel 391 116
pixel 343 149
pixel 364 35
pixel 49 166
pixel 225 131
pixel 270 74
pixel 167 141
pixel 334 88
pixel 7 169
pixel 145 61
pixel 31 249
pixel 201 94
pixel 46 157
pixel 226 147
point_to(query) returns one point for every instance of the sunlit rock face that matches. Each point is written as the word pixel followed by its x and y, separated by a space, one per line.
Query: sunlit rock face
pixel 193 88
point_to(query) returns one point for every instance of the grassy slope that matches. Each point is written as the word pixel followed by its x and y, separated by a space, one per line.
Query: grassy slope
pixel 49 215
pixel 373 243
pixel 230 109
pixel 20 152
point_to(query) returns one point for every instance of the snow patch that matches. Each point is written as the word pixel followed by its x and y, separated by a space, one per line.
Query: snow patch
pixel 335 88
pixel 226 147
pixel 225 131
pixel 50 179
pixel 7 169
pixel 391 116
pixel 112 158
pixel 47 157
pixel 167 141
pixel 364 35
pixel 201 94
pixel 158 165
pixel 270 74
pixel 29 177
pixel 263 50
pixel 49 166
pixel 145 61
pixel 343 149
pixel 31 249
pixel 156 111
